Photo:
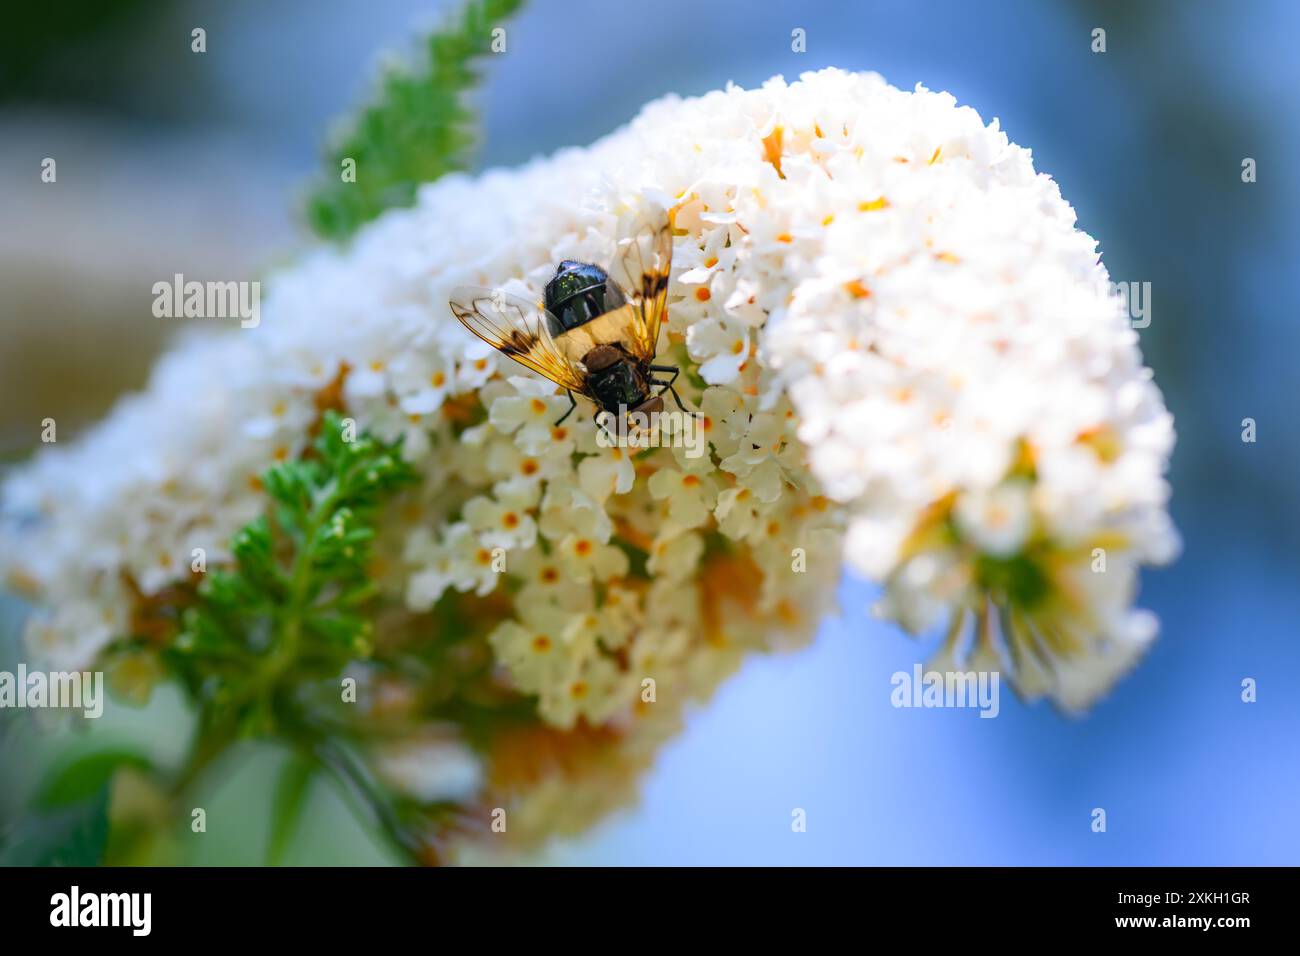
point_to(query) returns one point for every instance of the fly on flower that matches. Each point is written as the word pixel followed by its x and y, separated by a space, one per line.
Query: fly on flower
pixel 592 335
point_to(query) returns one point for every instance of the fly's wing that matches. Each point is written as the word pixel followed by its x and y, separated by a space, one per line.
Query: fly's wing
pixel 642 268
pixel 519 329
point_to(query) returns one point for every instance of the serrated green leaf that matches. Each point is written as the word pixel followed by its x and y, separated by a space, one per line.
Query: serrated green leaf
pixel 305 572
pixel 417 129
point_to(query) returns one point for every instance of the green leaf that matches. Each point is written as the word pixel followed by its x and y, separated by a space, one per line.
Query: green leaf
pixel 291 791
pixel 417 129
pixel 74 835
pixel 83 777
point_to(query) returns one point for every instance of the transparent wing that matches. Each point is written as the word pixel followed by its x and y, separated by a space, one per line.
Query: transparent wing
pixel 519 329
pixel 641 269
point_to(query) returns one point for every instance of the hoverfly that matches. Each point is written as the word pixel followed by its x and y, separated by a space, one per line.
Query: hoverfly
pixel 591 335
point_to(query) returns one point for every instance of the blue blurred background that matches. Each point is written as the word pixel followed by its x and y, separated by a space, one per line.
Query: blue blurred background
pixel 192 163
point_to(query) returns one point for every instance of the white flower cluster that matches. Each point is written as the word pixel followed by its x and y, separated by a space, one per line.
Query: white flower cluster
pixel 901 345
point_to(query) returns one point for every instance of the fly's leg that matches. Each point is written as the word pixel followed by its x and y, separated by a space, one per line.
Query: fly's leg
pixel 610 432
pixel 666 368
pixel 668 385
pixel 573 403
pixel 676 398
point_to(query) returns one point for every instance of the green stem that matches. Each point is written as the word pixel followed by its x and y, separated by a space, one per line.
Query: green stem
pixel 285 651
pixel 353 775
pixel 210 744
pixel 213 739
